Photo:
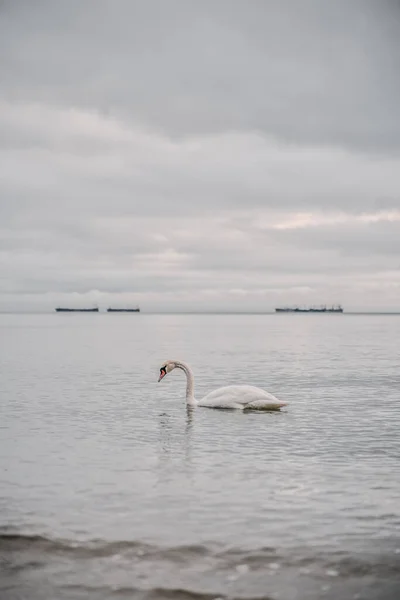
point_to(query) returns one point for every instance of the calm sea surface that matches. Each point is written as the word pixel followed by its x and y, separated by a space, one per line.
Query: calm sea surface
pixel 110 488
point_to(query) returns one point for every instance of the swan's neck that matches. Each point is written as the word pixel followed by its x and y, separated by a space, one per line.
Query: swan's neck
pixel 189 382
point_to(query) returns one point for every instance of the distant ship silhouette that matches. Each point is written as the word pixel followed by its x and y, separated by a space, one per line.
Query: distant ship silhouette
pixel 311 309
pixel 137 309
pixel 77 309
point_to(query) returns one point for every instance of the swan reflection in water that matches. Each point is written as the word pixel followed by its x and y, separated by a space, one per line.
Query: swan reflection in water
pixel 240 397
pixel 174 440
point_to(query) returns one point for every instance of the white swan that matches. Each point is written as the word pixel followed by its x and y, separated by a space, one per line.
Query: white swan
pixel 242 397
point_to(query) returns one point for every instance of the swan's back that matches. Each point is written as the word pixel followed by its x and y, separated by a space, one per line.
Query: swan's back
pixel 241 396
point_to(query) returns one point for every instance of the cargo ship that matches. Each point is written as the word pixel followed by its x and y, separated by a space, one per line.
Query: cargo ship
pixel 77 310
pixel 311 309
pixel 135 310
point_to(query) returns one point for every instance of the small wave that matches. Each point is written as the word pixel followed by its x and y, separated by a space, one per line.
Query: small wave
pixel 179 594
pixel 39 549
pixel 95 548
pixel 159 593
pixel 11 541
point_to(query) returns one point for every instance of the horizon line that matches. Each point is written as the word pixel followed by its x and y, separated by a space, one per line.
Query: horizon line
pixel 212 312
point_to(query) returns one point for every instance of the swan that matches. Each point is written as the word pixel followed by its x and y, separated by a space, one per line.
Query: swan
pixel 241 397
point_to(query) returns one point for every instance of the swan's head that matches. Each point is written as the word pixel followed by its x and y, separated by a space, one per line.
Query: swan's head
pixel 166 368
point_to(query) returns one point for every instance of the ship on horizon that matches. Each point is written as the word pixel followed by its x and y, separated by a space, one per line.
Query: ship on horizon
pixel 312 309
pixel 135 310
pixel 61 309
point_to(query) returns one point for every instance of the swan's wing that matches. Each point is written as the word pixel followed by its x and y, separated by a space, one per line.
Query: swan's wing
pixel 241 396
pixel 233 394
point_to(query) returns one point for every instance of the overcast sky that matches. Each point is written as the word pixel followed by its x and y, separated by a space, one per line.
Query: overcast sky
pixel 228 155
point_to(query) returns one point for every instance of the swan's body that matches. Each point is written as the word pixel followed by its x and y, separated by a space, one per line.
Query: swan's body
pixel 240 397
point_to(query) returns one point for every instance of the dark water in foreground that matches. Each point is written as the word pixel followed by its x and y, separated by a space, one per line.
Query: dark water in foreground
pixel 110 488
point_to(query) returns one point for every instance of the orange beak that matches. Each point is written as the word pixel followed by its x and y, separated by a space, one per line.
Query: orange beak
pixel 162 374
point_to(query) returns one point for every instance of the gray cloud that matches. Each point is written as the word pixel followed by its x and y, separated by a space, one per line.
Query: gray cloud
pixel 199 155
pixel 315 73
